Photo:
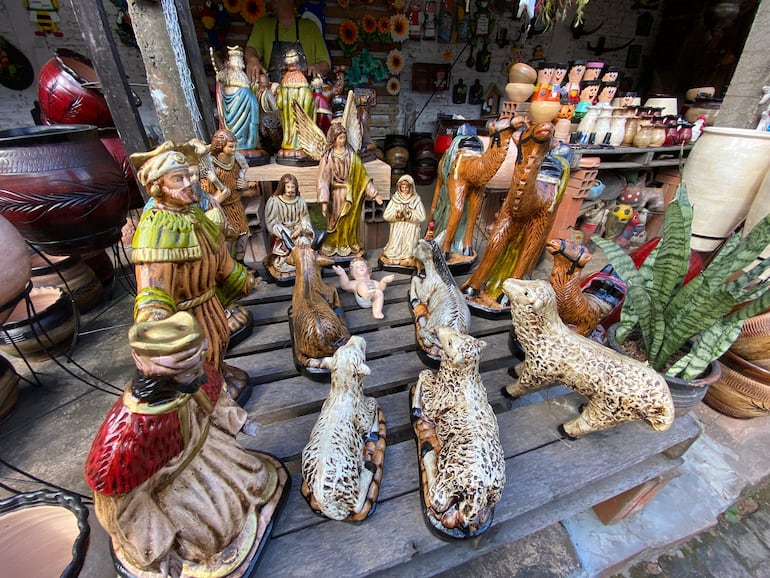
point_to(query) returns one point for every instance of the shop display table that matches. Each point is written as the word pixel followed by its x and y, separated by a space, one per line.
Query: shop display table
pixel 548 478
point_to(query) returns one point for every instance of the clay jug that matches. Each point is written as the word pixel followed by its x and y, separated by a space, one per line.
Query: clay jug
pixel 61 189
pixel 643 136
pixel 632 127
pixel 617 130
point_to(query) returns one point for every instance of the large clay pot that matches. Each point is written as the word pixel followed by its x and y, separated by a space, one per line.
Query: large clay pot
pixel 743 391
pixel 15 268
pixel 722 175
pixel 760 206
pixel 69 274
pixel 44 534
pixel 111 141
pixel 61 188
pixel 68 90
pixel 45 331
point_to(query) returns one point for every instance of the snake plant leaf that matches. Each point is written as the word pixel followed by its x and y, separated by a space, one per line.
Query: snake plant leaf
pixel 708 346
pixel 739 252
pixel 755 307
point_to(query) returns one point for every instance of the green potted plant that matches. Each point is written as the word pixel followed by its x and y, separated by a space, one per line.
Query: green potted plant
pixel 685 328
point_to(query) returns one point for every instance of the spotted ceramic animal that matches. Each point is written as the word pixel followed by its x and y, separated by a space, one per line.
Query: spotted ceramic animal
pixel 342 462
pixel 435 298
pixel 618 388
pixel 461 458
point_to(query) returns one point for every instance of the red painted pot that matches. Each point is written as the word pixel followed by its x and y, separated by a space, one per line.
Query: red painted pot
pixel 111 141
pixel 68 91
pixel 61 188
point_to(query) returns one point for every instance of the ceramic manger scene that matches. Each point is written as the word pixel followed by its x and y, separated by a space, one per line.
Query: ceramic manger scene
pixel 175 491
pixel 462 464
pixel 405 213
pixel 463 172
pixel 369 293
pixel 435 300
pixel 342 462
pixel 316 318
pixel 618 388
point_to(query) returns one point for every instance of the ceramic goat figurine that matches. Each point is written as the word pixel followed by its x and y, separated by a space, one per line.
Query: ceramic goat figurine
pixel 618 388
pixel 461 459
pixel 342 462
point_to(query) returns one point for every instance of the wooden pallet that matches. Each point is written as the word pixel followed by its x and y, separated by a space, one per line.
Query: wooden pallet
pixel 548 478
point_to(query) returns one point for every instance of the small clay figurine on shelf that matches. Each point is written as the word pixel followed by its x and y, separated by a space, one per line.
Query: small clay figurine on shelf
pixel 182 259
pixel 294 88
pixel 405 213
pixel 175 491
pixel 435 300
pixel 286 213
pixel 368 292
pixel 237 106
pixel 462 464
pixel 342 462
pixel 630 391
pixel 316 318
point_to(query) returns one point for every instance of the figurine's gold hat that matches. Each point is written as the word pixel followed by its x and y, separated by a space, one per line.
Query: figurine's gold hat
pixel 177 333
pixel 166 157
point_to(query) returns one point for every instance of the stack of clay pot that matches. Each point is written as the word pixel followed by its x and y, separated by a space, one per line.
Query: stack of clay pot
pixel 743 391
pixel 521 82
pixel 397 155
pixel 423 161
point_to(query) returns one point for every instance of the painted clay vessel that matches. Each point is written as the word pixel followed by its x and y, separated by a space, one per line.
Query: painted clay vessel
pixel 61 188
pixel 70 274
pixel 15 268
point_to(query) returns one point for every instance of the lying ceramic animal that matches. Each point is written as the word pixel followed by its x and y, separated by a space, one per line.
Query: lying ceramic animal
pixel 435 299
pixel 461 459
pixel 618 388
pixel 316 318
pixel 342 462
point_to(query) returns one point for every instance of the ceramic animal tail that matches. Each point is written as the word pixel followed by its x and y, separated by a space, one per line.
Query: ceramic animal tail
pixel 618 388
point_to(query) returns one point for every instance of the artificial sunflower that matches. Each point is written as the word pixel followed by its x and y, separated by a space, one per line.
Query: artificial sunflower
pixel 447 55
pixel 233 6
pixel 253 10
pixel 394 86
pixel 399 28
pixel 348 32
pixel 395 61
pixel 368 24
pixel 383 27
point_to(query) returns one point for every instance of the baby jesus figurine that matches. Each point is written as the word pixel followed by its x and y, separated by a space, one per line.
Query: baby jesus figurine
pixel 368 292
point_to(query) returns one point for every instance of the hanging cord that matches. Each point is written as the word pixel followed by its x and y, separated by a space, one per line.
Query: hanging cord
pixel 185 76
pixel 435 90
pixel 33 478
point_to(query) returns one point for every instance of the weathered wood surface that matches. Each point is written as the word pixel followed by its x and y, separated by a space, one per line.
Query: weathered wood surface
pixel 548 478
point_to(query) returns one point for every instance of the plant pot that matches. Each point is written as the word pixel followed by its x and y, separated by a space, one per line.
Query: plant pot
pixel 724 185
pixel 15 268
pixel 753 342
pixel 47 332
pixel 686 393
pixel 44 534
pixel 70 274
pixel 743 391
pixel 61 188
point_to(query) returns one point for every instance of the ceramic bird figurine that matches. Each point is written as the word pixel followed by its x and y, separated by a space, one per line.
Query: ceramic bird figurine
pixel 617 218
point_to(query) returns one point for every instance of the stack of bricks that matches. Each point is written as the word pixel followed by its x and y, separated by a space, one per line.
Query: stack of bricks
pixel 578 185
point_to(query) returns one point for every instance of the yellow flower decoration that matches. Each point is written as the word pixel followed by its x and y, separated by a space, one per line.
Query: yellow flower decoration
pixel 393 86
pixel 368 24
pixel 233 6
pixel 399 28
pixel 252 10
pixel 447 55
pixel 383 26
pixel 395 61
pixel 348 32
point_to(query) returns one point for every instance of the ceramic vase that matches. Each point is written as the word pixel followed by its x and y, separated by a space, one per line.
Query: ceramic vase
pixel 70 274
pixel 61 188
pixel 643 136
pixel 15 268
pixel 632 127
pixel 658 137
pixel 760 206
pixel 603 126
pixel 586 126
pixel 617 130
pixel 723 174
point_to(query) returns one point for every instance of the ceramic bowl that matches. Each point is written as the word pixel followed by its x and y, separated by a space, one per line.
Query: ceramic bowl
pixel 699 92
pixel 522 73
pixel 519 91
pixel 543 110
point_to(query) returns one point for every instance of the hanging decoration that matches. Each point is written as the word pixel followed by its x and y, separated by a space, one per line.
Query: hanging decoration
pixel 383 28
pixel 348 37
pixel 551 11
pixel 215 21
pixel 399 28
pixel 395 61
pixel 233 6
pixel 45 14
pixel 368 28
pixel 16 70
pixel 394 86
pixel 253 10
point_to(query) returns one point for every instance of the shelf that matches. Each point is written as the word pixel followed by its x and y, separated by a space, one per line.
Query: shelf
pixel 635 158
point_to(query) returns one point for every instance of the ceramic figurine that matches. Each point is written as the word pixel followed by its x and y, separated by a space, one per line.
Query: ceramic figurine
pixel 405 213
pixel 462 464
pixel 237 106
pixel 579 311
pixel 435 300
pixel 323 110
pixel 343 182
pixel 342 462
pixel 182 259
pixel 463 172
pixel 618 216
pixel 560 70
pixel 630 391
pixel 286 213
pixel 294 88
pixel 519 232
pixel 175 491
pixel 316 319
pixel 369 292
pixel 577 69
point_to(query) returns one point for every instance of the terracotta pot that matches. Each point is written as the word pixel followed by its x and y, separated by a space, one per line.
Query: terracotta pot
pixel 111 141
pixel 70 274
pixel 743 390
pixel 658 136
pixel 48 330
pixel 543 110
pixel 44 534
pixel 519 91
pixel 522 72
pixel 685 393
pixel 632 127
pixel 753 342
pixel 9 387
pixel 723 174
pixel 61 188
pixel 15 268
pixel 643 136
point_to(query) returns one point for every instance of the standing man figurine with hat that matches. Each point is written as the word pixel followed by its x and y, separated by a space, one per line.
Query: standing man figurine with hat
pixel 182 259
